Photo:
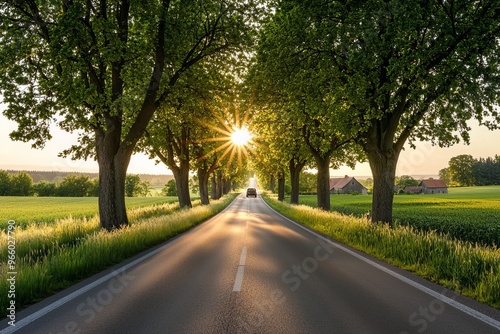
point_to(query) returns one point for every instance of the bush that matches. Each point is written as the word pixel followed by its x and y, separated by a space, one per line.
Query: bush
pixel 170 188
pixel 74 186
pixel 45 189
pixel 21 185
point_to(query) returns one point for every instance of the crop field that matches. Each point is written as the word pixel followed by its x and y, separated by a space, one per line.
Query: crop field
pixel 25 210
pixel 469 213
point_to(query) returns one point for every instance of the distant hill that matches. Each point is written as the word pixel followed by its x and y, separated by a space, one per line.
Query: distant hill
pixel 58 176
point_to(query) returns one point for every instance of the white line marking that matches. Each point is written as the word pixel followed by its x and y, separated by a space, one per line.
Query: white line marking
pixel 239 279
pixel 241 269
pixel 467 310
pixel 49 308
pixel 243 256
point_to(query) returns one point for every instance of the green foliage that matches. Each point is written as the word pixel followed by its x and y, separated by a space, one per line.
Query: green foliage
pixel 194 186
pixel 385 73
pixel 20 184
pixel 460 169
pixel 5 183
pixel 467 268
pixel 406 180
pixel 75 186
pixel 307 183
pixel 105 70
pixel 45 189
pixel 464 170
pixel 132 185
pixel 170 188
pixel 135 187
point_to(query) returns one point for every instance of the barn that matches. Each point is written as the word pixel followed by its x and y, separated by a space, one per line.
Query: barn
pixel 433 187
pixel 346 185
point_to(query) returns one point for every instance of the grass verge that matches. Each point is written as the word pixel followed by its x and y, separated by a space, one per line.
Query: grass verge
pixel 470 269
pixel 40 275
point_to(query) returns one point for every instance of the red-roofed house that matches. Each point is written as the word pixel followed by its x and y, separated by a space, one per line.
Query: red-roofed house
pixel 346 185
pixel 433 187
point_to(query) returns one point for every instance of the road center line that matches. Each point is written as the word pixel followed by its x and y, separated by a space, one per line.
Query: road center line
pixel 241 269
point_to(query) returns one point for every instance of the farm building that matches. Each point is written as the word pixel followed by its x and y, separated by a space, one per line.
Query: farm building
pixel 433 187
pixel 412 189
pixel 346 185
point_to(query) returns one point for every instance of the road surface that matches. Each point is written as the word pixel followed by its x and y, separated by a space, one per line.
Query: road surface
pixel 250 270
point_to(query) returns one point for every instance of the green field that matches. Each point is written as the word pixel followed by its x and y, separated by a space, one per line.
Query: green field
pixel 25 210
pixel 470 213
pixel 53 255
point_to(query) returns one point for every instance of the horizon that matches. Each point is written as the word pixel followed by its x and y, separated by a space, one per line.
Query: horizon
pixel 424 160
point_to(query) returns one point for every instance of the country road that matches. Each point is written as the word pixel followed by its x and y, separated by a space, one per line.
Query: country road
pixel 250 270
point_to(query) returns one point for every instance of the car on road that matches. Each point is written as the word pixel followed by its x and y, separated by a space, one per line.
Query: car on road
pixel 251 192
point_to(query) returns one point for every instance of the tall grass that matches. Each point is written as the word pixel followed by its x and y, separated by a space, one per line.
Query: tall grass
pixel 465 267
pixel 46 264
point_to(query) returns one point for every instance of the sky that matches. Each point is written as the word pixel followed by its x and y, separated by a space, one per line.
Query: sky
pixel 426 160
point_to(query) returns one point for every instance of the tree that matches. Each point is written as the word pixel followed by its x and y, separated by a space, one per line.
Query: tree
pixel 143 189
pixel 45 189
pixel 170 188
pixel 5 183
pixel 461 170
pixel 132 184
pixel 300 85
pixel 74 186
pixel 406 180
pixel 397 71
pixel 21 185
pixel 105 70
pixel 445 176
pixel 94 188
pixel 307 183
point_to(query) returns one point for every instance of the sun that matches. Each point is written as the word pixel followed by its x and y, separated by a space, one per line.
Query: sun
pixel 237 140
pixel 241 136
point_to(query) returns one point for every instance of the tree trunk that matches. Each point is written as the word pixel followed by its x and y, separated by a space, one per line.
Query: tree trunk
pixel 323 183
pixel 383 166
pixel 272 183
pixel 213 188
pixel 219 185
pixel 181 176
pixel 295 169
pixel 203 177
pixel 227 185
pixel 281 187
pixel 112 173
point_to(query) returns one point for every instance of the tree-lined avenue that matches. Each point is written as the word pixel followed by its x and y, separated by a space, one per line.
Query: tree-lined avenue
pixel 291 281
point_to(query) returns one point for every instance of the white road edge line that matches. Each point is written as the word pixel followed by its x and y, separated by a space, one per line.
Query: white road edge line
pixel 49 308
pixel 241 269
pixel 464 308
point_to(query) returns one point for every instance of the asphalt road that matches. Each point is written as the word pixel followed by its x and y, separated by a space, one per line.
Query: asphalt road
pixel 249 270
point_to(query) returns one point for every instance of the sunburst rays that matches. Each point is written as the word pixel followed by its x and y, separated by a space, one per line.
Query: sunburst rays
pixel 235 137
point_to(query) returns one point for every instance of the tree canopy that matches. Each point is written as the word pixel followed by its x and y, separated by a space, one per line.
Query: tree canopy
pixel 390 72
pixel 102 68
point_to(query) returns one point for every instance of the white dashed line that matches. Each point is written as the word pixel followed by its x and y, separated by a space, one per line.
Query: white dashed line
pixel 241 269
